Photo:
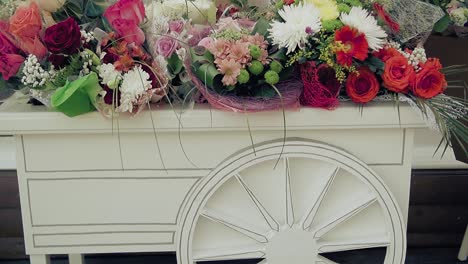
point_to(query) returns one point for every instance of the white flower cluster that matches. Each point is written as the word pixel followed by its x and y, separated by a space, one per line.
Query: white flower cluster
pixel 134 85
pixel 109 75
pixel 34 74
pixel 87 36
pixel 87 63
pixel 418 56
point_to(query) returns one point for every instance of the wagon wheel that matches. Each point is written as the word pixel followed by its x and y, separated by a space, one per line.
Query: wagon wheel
pixel 317 200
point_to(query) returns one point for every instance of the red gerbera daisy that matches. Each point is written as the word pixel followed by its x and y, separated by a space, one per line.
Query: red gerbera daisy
pixel 352 45
pixel 394 26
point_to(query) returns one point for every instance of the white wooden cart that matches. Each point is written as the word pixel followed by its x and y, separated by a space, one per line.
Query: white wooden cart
pixel 340 181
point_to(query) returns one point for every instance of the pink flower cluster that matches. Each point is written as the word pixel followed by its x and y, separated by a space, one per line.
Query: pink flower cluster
pixel 233 55
pixel 168 44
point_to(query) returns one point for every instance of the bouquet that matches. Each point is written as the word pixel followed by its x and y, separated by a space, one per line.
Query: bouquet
pixel 455 19
pixel 231 62
pixel 93 58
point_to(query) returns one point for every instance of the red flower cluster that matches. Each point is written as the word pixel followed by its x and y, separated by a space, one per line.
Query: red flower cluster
pixel 10 60
pixel 362 85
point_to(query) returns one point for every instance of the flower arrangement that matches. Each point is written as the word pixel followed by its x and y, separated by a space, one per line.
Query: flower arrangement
pixel 76 69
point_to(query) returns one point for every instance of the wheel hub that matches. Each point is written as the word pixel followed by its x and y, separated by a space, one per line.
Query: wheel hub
pixel 292 246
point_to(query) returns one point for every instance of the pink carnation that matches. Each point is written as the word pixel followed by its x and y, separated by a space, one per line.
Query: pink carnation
pixel 256 39
pixel 220 48
pixel 239 52
pixel 231 70
pixel 206 42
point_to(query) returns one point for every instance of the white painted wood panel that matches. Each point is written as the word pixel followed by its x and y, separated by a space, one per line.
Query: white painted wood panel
pixel 7 153
pixel 103 239
pixel 106 201
pixel 72 152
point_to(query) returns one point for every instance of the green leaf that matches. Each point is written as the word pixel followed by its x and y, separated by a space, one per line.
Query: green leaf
pixel 95 8
pixel 174 64
pixel 261 27
pixel 264 91
pixel 77 97
pixel 442 24
pixel 210 76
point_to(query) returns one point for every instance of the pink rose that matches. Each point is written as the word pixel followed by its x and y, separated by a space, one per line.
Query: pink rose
pixel 129 31
pixel 206 42
pixel 166 46
pixel 6 45
pixel 132 10
pixel 10 65
pixel 176 26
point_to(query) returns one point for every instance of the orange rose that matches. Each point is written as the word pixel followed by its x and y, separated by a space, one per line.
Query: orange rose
pixel 433 63
pixel 362 86
pixel 25 25
pixel 398 74
pixel 429 83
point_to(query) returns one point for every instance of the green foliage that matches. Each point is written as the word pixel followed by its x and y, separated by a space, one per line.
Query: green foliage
pixel 442 24
pixel 83 11
pixel 69 71
pixel 174 64
pixel 261 27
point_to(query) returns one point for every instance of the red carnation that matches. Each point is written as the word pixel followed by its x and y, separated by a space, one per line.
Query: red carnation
pixel 362 86
pixel 353 45
pixel 392 24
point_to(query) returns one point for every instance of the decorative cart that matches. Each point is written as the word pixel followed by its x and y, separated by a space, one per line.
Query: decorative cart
pixel 339 181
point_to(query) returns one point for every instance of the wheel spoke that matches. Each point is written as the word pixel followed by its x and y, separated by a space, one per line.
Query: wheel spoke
pixel 236 225
pixel 266 215
pixel 253 251
pixel 353 244
pixel 324 260
pixel 289 200
pixel 312 212
pixel 357 206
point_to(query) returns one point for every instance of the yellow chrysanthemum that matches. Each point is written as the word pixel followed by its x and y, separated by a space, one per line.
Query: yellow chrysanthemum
pixel 328 8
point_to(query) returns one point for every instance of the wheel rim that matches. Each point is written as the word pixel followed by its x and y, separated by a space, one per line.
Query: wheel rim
pixel 313 202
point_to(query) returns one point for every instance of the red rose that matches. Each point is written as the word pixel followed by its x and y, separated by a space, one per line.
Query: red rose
pixel 129 31
pixel 386 53
pixel 10 65
pixel 429 83
pixel 6 45
pixel 132 10
pixel 63 37
pixel 398 74
pixel 352 44
pixel 289 2
pixel 362 86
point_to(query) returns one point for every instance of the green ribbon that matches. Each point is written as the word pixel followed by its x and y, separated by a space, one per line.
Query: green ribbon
pixel 77 97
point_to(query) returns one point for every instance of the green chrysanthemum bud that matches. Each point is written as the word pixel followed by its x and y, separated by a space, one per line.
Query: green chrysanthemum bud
pixel 279 4
pixel 344 8
pixel 276 66
pixel 331 25
pixel 256 67
pixel 272 77
pixel 243 77
pixel 255 52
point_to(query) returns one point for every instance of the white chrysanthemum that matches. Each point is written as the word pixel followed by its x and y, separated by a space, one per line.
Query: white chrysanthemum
pixel 134 85
pixel 109 75
pixel 365 23
pixel 300 21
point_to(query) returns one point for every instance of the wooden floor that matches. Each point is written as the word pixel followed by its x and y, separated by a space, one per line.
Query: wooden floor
pixel 414 256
